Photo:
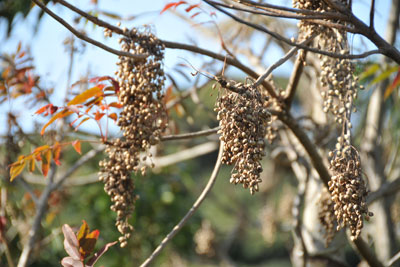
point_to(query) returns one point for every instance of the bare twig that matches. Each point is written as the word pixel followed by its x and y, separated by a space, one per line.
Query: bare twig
pixel 183 155
pixel 174 45
pixel 295 78
pixel 289 42
pixel 384 190
pixel 395 258
pixel 280 62
pixel 372 14
pixel 189 135
pixel 40 212
pixel 86 38
pixel 190 213
pixel 82 160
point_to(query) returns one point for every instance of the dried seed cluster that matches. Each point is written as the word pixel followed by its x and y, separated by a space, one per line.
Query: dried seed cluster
pixel 142 120
pixel 326 215
pixel 339 90
pixel 348 190
pixel 204 239
pixel 244 119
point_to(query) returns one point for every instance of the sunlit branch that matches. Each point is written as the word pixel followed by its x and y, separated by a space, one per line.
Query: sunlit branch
pixel 86 38
pixel 289 42
pixel 190 213
pixel 189 135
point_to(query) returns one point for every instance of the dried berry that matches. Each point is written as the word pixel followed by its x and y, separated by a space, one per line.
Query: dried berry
pixel 142 121
pixel 244 120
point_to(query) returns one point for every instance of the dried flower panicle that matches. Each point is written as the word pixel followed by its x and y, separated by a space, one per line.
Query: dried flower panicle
pixel 348 190
pixel 142 121
pixel 326 215
pixel 244 119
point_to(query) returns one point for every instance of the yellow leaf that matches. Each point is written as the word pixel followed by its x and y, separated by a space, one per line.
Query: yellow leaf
pixel 369 71
pixel 384 75
pixel 17 168
pixel 79 99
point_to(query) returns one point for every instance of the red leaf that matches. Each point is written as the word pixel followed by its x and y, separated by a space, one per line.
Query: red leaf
pixel 49 108
pixel 191 7
pixel 195 14
pixel 103 78
pixel 170 5
pixel 98 115
pixel 393 85
pixel 77 146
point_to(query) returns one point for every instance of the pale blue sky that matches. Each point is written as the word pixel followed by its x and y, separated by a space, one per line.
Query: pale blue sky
pixel 52 61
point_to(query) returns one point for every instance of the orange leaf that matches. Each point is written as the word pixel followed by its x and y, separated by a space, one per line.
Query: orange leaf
pixel 94 91
pixel 40 149
pixel 113 116
pixel 98 115
pixel 56 153
pixel 17 167
pixel 393 85
pixel 46 162
pixel 82 121
pixel 77 146
pixel 191 7
pixel 59 115
pixel 174 4
pixel 115 105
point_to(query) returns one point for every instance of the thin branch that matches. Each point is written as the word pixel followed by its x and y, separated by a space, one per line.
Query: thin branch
pixel 82 160
pixel 384 190
pixel 395 258
pixel 192 210
pixel 28 188
pixel 289 42
pixel 86 38
pixel 183 155
pixel 372 14
pixel 174 45
pixel 315 158
pixel 40 212
pixel 280 62
pixel 229 60
pixel 295 78
pixel 189 135
pixel 367 253
pixel 319 166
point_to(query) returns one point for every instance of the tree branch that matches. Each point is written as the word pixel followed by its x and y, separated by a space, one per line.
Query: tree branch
pixel 40 212
pixel 289 42
pixel 190 213
pixel 86 38
pixel 173 45
pixel 295 78
pixel 189 135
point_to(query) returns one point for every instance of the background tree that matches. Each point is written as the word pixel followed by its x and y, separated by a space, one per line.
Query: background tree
pixel 295 139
